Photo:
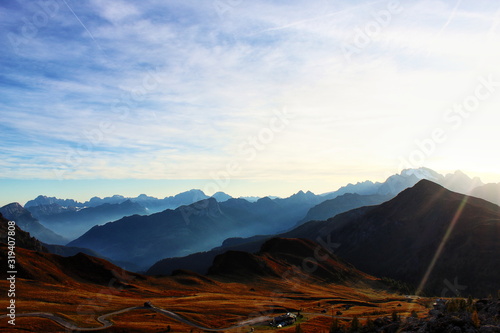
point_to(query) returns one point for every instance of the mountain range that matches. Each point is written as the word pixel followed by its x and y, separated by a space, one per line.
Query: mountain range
pixel 427 236
pixel 240 218
pixel 151 203
pixel 191 226
pixel 199 227
pixel 242 289
pixel 73 223
pixel 328 258
pixel 71 218
pixel 285 275
pixel 457 181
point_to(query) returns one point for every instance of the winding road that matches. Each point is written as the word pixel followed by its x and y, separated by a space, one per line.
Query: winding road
pixel 106 323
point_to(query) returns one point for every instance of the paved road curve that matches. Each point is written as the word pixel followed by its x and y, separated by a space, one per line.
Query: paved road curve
pixel 106 323
pixel 66 324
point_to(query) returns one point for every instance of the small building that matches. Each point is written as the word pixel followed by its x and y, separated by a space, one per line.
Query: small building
pixel 284 320
pixel 439 304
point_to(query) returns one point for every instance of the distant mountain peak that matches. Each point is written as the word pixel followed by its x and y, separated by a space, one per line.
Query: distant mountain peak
pixel 145 196
pixel 14 205
pixel 14 210
pixel 205 207
pixel 265 199
pixel 43 200
pixel 423 191
pixel 421 173
pixel 301 195
pixel 193 191
pixel 426 185
pixel 221 196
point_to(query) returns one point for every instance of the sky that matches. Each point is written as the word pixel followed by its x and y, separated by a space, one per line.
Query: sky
pixel 246 97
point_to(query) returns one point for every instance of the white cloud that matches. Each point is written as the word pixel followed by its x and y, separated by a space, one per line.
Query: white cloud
pixel 115 11
pixel 221 78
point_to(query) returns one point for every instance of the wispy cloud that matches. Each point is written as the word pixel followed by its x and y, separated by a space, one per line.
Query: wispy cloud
pixel 173 89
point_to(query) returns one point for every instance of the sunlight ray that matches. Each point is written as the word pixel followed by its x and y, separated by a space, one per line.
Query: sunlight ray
pixel 442 245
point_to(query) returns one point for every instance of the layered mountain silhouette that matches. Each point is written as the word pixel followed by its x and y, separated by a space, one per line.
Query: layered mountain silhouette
pixel 25 240
pixel 73 223
pixel 25 220
pixel 193 228
pixel 368 193
pixel 34 262
pixel 142 239
pixel 457 181
pixel 278 258
pixel 50 205
pixel 71 219
pixel 134 236
pixel 427 235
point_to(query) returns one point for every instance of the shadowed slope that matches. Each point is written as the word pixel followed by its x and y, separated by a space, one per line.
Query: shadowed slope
pixel 279 257
pixel 425 233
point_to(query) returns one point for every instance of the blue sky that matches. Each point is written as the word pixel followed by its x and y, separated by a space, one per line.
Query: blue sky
pixel 273 96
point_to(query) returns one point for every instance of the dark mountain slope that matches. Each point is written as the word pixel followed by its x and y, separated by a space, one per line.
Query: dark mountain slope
pixel 23 238
pixel 145 239
pixel 52 268
pixel 34 262
pixel 283 258
pixel 200 262
pixel 402 237
pixel 343 203
pixel 26 221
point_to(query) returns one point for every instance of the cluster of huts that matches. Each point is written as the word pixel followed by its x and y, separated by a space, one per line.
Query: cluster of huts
pixel 284 320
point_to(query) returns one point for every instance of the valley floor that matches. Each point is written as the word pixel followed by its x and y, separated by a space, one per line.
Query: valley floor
pixel 203 304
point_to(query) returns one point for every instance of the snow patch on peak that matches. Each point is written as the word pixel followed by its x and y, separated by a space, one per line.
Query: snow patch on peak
pixel 422 173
